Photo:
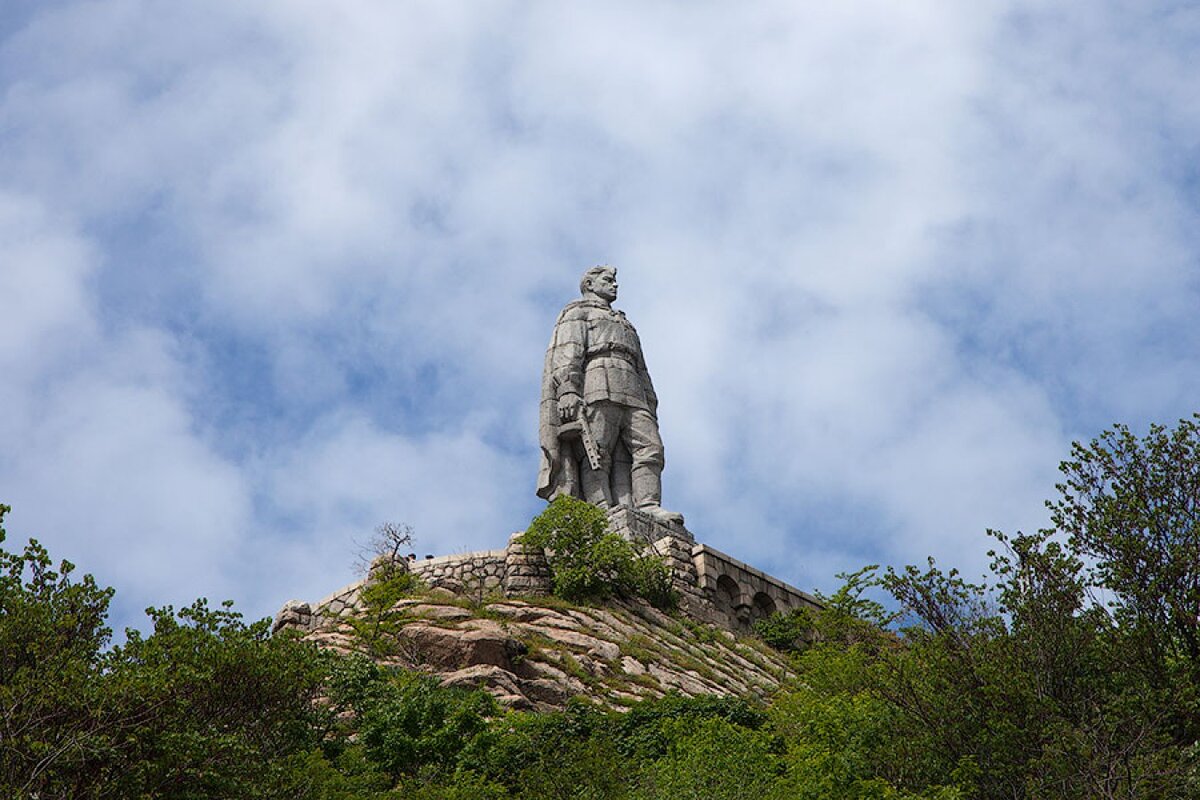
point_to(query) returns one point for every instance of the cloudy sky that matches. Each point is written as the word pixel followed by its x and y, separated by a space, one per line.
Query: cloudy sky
pixel 273 273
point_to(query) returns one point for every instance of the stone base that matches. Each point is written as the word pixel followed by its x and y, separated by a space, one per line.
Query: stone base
pixel 639 527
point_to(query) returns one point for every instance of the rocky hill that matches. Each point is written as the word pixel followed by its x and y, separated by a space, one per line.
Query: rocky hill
pixel 537 653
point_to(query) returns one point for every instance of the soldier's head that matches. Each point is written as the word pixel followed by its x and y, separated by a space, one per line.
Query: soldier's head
pixel 600 281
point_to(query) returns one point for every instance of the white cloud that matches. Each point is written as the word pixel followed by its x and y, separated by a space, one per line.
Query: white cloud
pixel 286 270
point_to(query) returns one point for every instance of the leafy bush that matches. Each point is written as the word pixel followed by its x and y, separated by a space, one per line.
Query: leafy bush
pixel 786 631
pixel 648 729
pixel 590 563
pixel 715 760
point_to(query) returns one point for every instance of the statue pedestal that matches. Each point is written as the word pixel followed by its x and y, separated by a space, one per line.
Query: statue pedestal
pixel 639 527
pixel 674 545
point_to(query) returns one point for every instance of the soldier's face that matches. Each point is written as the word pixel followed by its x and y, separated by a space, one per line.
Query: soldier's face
pixel 605 285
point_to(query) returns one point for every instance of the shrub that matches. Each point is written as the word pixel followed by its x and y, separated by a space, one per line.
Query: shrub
pixel 786 631
pixel 590 563
pixel 714 759
pixel 405 721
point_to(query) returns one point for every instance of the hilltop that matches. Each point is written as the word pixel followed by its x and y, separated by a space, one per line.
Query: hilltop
pixel 538 653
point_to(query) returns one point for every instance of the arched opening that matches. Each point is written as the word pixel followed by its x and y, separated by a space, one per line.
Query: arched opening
pixel 763 605
pixel 728 593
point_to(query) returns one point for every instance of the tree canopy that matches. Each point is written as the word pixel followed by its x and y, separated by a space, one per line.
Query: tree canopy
pixel 1070 673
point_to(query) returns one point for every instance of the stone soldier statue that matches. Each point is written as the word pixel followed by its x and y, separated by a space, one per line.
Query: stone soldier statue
pixel 598 417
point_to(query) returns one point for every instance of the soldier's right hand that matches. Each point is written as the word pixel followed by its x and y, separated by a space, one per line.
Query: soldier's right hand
pixel 568 407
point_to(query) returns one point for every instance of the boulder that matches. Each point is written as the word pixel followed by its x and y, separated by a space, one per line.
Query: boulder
pixel 454 649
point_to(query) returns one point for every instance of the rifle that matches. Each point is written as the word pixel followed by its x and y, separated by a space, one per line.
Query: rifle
pixel 580 426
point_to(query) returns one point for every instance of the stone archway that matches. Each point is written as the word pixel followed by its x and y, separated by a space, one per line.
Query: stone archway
pixel 762 606
pixel 728 594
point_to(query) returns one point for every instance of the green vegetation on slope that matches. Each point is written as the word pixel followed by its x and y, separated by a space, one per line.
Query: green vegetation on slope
pixel 1023 688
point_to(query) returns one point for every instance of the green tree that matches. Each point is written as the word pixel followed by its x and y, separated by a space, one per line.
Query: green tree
pixel 1131 507
pixel 52 635
pixel 1048 691
pixel 204 706
pixel 209 706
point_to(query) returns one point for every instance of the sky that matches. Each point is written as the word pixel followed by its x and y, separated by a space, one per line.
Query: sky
pixel 274 273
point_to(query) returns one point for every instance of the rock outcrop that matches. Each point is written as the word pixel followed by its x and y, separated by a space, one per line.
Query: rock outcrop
pixel 537 653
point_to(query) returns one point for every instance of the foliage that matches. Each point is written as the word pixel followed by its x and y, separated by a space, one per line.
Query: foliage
pixel 406 721
pixel 843 736
pixel 387 588
pixel 388 581
pixel 647 730
pixel 1131 507
pixel 1026 686
pixel 846 617
pixel 590 563
pixel 786 631
pixel 566 754
pixel 204 706
pixel 210 706
pixel 713 760
pixel 52 634
pixel 1030 686
pixel 1047 690
pixel 377 626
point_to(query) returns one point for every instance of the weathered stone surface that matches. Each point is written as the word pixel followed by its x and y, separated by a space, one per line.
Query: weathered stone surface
pixel 294 614
pixel 455 649
pixel 497 681
pixel 596 398
pixel 588 644
pixel 531 656
pixel 438 612
pixel 686 682
pixel 544 692
pixel 632 666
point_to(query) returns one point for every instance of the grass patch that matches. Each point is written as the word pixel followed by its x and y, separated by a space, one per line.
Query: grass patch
pixel 640 647
pixel 645 679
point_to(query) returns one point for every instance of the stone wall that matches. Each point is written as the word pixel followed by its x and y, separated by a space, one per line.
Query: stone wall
pixel 344 602
pixel 739 594
pixel 712 586
pixel 514 571
pixel 473 574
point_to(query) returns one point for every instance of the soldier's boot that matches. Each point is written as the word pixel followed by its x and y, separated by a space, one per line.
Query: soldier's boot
pixel 647 495
pixel 595 485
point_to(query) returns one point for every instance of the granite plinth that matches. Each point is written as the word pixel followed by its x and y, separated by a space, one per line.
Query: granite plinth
pixel 637 526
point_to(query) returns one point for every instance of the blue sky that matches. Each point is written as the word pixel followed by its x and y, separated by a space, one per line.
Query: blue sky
pixel 274 273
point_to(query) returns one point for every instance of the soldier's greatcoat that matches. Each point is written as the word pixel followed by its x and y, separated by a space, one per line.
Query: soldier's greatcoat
pixel 594 353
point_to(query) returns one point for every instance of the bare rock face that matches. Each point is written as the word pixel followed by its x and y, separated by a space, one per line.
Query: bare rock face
pixel 457 648
pixel 535 655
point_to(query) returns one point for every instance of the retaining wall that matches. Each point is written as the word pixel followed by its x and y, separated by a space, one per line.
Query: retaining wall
pixel 712 586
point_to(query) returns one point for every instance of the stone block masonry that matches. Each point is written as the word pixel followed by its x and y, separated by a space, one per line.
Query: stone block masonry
pixel 713 587
pixel 479 573
pixel 739 594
